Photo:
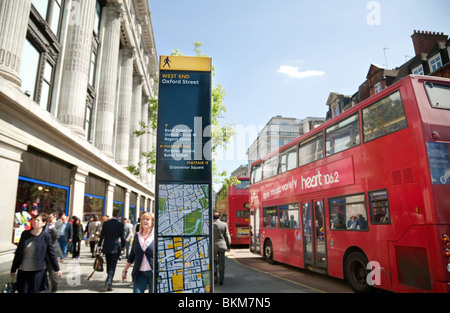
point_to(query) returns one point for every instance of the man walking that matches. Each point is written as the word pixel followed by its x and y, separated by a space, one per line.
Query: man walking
pixel 65 229
pixel 221 245
pixel 112 232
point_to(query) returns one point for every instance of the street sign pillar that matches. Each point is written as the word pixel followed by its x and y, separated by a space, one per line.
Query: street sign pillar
pixel 183 215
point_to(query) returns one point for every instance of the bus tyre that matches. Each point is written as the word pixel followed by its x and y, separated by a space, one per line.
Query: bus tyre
pixel 355 272
pixel 268 251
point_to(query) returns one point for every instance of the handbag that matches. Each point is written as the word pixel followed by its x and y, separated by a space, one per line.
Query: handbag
pixel 10 286
pixel 98 265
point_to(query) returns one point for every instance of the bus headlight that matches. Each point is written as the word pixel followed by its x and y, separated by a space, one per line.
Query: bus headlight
pixel 447 253
pixel 448 267
pixel 445 239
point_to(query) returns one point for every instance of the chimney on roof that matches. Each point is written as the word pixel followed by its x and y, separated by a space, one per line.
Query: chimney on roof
pixel 424 41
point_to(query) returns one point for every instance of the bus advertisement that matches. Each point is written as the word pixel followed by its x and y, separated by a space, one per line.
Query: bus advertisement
pixel 365 196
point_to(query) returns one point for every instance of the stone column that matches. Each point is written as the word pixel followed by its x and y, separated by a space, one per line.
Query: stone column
pixel 124 111
pixel 109 199
pixel 75 73
pixel 136 117
pixel 14 15
pixel 144 147
pixel 104 132
pixel 78 189
pixel 126 209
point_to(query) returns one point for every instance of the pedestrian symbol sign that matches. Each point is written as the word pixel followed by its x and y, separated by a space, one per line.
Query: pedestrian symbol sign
pixel 185 63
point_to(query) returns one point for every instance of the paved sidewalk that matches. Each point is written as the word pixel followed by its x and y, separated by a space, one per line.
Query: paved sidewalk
pixel 239 278
pixel 75 273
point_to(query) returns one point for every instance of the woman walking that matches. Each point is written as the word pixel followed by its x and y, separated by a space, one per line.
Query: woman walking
pixel 30 258
pixel 78 236
pixel 142 256
pixel 94 234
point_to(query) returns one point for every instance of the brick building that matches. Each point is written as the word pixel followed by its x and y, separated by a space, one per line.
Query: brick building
pixel 432 57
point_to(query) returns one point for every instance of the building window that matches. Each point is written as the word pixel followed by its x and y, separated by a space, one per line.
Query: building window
pixel 377 88
pixel 29 69
pixel 46 85
pixel 335 110
pixel 435 62
pixel 90 100
pixel 50 11
pixel 418 70
pixel 98 14
pixel 88 123
pixel 41 51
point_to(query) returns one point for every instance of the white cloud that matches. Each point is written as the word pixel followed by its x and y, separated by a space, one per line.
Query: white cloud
pixel 293 72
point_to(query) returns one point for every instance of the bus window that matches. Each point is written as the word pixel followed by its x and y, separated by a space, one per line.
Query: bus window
pixel 242 213
pixel 270 217
pixel 343 135
pixel 311 150
pixel 289 217
pixel 379 207
pixel 439 95
pixel 256 173
pixel 288 160
pixel 348 213
pixel 244 184
pixel 270 167
pixel 384 117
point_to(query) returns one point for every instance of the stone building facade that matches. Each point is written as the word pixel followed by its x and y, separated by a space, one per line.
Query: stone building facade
pixel 75 80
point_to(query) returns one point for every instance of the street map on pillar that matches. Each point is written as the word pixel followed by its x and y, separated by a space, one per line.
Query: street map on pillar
pixel 184 176
pixel 183 211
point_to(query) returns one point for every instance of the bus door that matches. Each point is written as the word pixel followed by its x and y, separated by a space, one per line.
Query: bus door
pixel 254 231
pixel 314 241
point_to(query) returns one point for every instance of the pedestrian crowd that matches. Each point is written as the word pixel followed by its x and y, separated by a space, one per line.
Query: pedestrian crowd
pixel 53 237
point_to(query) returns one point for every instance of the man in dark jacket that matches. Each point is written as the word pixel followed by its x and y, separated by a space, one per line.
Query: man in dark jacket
pixel 222 244
pixel 112 232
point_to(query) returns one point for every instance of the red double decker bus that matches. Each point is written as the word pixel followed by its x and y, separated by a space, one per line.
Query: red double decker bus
pixel 365 196
pixel 232 204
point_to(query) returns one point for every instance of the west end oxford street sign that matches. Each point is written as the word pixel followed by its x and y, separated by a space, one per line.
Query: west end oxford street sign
pixel 183 217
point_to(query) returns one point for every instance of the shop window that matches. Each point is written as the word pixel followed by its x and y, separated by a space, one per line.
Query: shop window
pixel 93 206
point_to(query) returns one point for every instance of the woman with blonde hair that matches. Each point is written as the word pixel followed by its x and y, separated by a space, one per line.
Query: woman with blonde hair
pixel 142 256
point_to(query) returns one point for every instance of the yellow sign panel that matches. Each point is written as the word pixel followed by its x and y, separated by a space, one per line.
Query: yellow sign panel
pixel 184 63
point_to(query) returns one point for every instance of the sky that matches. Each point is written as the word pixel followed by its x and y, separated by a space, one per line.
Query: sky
pixel 284 57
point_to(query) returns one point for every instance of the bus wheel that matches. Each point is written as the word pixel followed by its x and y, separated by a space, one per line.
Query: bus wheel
pixel 268 251
pixel 355 272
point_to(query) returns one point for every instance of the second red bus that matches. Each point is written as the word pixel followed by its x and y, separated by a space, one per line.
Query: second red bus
pixel 232 204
